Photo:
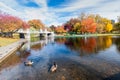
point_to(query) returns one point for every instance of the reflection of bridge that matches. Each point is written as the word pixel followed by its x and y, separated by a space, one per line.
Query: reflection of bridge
pixel 45 41
pixel 41 32
pixel 42 42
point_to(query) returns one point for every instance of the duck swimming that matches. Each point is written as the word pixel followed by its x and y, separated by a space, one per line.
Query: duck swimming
pixel 54 67
pixel 29 63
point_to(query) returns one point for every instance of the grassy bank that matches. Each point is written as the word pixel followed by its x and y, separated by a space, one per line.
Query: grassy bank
pixel 87 35
pixel 7 41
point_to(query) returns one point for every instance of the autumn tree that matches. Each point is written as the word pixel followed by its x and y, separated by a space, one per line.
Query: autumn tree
pixel 52 27
pixel 88 25
pixel 99 28
pixel 77 27
pixel 109 27
pixel 68 27
pixel 10 24
pixel 103 24
pixel 107 24
pixel 37 24
pixel 60 29
pixel 117 25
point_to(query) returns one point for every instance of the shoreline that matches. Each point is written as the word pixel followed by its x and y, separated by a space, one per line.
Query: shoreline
pixel 8 50
pixel 87 35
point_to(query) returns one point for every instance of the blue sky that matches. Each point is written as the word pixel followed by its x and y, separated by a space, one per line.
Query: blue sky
pixel 57 12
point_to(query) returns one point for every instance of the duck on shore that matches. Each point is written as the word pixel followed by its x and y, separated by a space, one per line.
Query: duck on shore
pixel 29 63
pixel 54 67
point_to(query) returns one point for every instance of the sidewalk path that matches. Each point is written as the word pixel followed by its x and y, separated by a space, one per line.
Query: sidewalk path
pixel 6 51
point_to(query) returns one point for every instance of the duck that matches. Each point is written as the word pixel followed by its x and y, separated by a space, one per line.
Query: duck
pixel 53 67
pixel 29 63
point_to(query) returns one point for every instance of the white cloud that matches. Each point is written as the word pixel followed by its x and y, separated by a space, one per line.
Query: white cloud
pixel 77 5
pixel 109 10
pixel 5 7
pixel 41 2
pixel 10 9
pixel 49 16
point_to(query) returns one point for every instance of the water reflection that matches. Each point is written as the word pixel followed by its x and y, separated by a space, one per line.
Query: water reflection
pixel 87 45
pixel 13 60
pixel 117 43
pixel 37 43
pixel 90 58
pixel 37 46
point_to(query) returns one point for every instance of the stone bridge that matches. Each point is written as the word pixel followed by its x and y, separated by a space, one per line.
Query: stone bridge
pixel 26 33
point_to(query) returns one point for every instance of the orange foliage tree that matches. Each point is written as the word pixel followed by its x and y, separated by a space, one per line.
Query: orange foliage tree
pixel 88 25
pixel 37 24
pixel 60 29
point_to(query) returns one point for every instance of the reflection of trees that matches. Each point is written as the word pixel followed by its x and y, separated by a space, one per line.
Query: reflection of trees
pixel 24 54
pixel 60 40
pixel 73 43
pixel 117 42
pixel 37 46
pixel 82 45
pixel 86 45
pixel 108 41
pixel 10 61
pixel 104 42
pixel 33 39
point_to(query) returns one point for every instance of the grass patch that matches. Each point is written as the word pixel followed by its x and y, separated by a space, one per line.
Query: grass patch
pixel 87 35
pixel 16 36
pixel 7 41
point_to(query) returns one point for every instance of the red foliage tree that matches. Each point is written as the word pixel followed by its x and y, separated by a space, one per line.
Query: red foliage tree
pixel 25 25
pixel 69 25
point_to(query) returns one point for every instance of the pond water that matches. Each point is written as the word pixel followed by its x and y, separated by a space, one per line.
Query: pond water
pixel 81 58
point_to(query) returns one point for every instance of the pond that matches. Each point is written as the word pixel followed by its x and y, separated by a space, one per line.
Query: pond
pixel 78 58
